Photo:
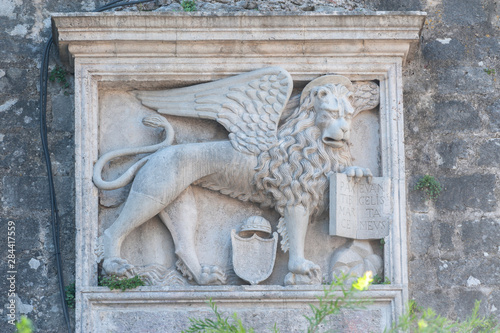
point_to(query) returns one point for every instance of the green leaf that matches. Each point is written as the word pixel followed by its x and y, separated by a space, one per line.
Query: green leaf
pixel 24 325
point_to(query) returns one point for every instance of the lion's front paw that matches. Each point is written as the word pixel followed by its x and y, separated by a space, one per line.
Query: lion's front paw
pixel 117 266
pixel 212 275
pixel 303 267
pixel 358 173
pixel 303 271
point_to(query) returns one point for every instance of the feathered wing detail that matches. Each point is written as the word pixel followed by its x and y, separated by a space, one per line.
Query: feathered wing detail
pixel 248 105
pixel 366 96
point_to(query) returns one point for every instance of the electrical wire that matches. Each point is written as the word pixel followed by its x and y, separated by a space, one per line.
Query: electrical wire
pixel 113 4
pixel 54 218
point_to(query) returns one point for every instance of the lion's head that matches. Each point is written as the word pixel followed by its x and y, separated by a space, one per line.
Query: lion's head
pixel 312 142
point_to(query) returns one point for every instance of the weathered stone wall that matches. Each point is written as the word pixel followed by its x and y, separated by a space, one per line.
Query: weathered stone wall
pixel 452 111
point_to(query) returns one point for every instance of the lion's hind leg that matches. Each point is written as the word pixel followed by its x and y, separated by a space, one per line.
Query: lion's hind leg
pixel 138 209
pixel 181 219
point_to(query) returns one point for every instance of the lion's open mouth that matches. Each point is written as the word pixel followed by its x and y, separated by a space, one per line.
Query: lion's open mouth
pixel 333 143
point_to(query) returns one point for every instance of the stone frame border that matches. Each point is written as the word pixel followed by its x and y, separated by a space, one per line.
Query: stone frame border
pixel 132 49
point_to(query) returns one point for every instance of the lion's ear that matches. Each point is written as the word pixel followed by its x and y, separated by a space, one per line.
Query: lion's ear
pixel 365 96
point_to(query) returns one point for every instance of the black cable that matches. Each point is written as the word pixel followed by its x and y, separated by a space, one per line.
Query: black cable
pixel 108 4
pixel 124 3
pixel 44 70
pixel 54 218
pixel 100 9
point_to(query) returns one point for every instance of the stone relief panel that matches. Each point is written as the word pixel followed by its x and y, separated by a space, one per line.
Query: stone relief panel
pixel 196 181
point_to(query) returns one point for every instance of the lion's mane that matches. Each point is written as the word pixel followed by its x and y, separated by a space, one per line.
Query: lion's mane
pixel 295 171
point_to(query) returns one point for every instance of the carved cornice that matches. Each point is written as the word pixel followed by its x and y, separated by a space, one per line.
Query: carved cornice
pixel 149 34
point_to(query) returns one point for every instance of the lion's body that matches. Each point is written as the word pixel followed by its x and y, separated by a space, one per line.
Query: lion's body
pixel 213 165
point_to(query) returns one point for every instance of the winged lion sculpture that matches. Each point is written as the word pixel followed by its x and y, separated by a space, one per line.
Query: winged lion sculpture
pixel 280 153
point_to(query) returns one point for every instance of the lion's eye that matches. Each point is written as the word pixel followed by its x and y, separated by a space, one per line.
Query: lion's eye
pixel 322 93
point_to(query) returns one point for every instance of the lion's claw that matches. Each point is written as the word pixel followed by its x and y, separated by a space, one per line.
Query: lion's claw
pixel 303 272
pixel 304 267
pixel 358 173
pixel 117 266
pixel 212 275
pixel 314 272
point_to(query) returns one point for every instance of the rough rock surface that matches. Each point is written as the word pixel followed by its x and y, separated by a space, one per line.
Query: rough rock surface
pixel 259 5
pixel 452 116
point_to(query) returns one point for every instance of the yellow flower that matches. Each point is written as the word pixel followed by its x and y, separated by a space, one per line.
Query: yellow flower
pixel 364 282
pixel 422 324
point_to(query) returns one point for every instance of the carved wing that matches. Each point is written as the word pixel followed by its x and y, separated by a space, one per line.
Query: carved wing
pixel 366 96
pixel 248 105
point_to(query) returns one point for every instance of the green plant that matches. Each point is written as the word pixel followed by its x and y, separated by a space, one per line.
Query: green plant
pixel 490 71
pixel 220 324
pixel 377 279
pixel 328 305
pixel 24 325
pixel 430 186
pixel 59 74
pixel 188 5
pixel 69 292
pixel 147 7
pixel 382 244
pixel 417 320
pixel 113 282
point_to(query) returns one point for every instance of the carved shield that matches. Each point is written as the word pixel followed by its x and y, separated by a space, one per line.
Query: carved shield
pixel 253 258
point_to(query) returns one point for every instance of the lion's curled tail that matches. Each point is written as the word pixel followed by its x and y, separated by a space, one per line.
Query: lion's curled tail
pixel 154 121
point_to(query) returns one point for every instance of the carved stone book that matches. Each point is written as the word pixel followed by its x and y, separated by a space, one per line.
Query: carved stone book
pixel 360 209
